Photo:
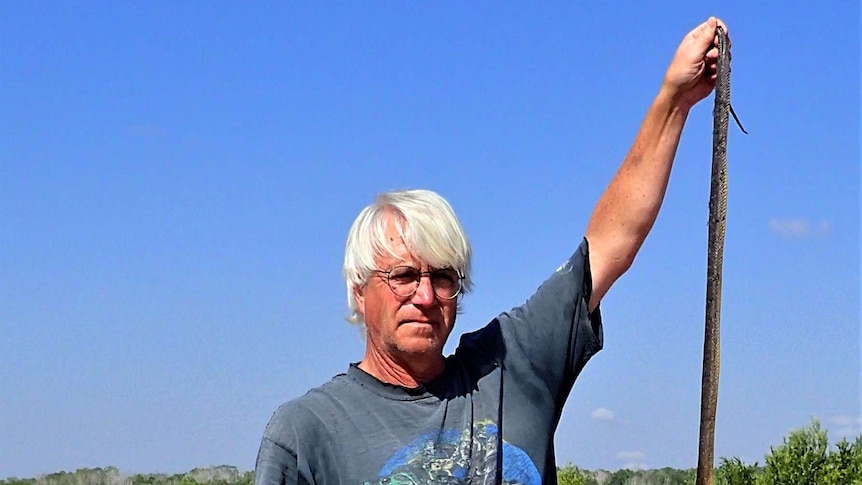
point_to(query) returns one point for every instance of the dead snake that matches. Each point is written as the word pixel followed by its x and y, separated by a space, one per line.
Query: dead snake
pixel 715 257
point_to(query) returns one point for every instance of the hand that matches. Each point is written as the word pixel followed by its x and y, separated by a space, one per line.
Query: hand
pixel 692 72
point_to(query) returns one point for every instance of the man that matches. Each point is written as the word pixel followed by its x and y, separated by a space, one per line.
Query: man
pixel 405 414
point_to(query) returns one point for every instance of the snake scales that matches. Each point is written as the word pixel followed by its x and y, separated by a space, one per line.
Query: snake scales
pixel 715 257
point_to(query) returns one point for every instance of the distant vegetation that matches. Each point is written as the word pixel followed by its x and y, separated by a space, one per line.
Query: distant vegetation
pixel 804 458
pixel 220 475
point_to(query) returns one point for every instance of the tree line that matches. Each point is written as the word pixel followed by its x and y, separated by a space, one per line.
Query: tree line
pixel 219 475
pixel 804 458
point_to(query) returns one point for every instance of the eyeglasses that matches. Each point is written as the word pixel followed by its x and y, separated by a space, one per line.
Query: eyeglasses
pixel 404 281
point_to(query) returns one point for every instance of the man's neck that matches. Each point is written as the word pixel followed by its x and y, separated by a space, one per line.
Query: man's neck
pixel 389 370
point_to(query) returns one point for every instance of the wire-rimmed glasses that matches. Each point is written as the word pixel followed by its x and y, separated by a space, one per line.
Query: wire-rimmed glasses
pixel 404 281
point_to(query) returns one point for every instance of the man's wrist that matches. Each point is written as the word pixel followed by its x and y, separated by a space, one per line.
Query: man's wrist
pixel 673 99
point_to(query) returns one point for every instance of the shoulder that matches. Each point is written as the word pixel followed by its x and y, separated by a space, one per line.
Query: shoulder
pixel 560 294
pixel 308 415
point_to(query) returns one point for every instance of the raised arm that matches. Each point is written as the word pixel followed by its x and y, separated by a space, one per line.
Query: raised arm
pixel 627 209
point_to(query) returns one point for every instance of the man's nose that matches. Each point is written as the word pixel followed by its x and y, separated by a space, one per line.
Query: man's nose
pixel 425 292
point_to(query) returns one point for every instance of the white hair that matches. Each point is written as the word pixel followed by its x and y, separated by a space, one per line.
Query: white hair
pixel 427 225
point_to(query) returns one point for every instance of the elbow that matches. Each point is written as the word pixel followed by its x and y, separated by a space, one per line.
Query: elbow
pixel 619 264
pixel 609 259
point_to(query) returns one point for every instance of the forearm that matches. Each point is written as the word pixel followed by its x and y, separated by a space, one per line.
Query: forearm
pixel 627 209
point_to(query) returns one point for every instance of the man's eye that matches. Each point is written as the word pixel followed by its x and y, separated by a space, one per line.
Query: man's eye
pixel 403 275
pixel 446 277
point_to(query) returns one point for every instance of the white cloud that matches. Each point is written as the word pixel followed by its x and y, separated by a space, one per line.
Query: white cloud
pixel 799 228
pixel 793 228
pixel 845 426
pixel 603 414
pixel 635 460
pixel 631 455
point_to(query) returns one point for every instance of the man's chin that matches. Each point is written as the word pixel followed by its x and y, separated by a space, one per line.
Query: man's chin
pixel 421 346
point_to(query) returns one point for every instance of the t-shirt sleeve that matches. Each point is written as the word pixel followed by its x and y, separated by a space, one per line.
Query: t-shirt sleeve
pixel 276 459
pixel 551 337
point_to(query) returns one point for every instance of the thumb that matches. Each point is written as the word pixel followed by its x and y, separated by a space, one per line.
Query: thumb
pixel 703 36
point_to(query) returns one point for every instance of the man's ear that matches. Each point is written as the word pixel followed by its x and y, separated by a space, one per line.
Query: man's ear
pixel 359 296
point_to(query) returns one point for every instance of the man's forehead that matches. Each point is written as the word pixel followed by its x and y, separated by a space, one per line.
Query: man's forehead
pixel 397 254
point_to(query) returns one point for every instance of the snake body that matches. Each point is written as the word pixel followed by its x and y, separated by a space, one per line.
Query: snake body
pixel 715 257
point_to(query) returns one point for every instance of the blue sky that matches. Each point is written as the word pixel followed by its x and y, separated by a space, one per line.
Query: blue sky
pixel 177 180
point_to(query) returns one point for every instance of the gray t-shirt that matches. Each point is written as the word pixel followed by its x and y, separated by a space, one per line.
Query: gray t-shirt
pixel 503 388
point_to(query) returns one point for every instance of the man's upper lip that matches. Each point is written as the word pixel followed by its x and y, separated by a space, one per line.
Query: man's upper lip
pixel 417 320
